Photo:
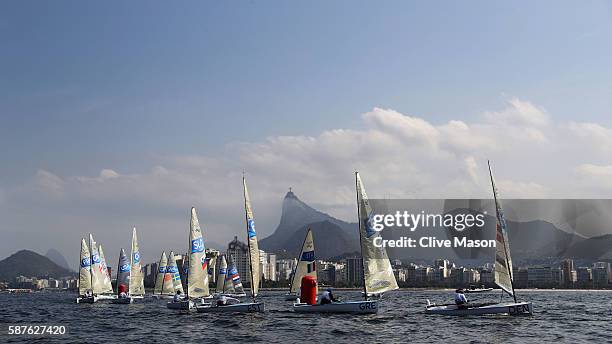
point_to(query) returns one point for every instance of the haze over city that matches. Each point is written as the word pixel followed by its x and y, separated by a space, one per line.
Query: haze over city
pixel 130 116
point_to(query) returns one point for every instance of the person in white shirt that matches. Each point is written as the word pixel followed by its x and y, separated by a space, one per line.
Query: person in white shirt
pixel 177 296
pixel 460 300
pixel 222 301
pixel 328 297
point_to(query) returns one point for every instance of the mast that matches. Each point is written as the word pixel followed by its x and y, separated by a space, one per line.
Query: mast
pixel 499 219
pixel 246 217
pixel 365 291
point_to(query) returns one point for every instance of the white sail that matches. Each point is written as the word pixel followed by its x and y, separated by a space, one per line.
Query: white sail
pixel 502 267
pixel 108 286
pixel 175 276
pixel 136 275
pixel 198 265
pixel 306 265
pixel 252 240
pixel 97 274
pixel 233 277
pixel 222 274
pixel 161 271
pixel 123 272
pixel 378 274
pixel 84 269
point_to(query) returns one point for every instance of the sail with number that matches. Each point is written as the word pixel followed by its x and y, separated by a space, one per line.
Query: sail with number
pixel 84 269
pixel 252 241
pixel 503 262
pixel 123 272
pixel 108 287
pixel 377 272
pixel 97 275
pixel 198 265
pixel 175 277
pixel 221 275
pixel 233 282
pixel 136 275
pixel 306 265
pixel 161 271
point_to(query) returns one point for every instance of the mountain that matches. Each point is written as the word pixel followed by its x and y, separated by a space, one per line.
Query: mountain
pixel 595 248
pixel 30 264
pixel 332 237
pixel 57 258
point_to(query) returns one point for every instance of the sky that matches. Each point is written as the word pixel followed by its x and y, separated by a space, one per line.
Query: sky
pixel 117 114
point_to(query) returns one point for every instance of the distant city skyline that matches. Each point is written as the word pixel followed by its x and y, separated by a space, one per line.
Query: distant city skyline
pixel 128 114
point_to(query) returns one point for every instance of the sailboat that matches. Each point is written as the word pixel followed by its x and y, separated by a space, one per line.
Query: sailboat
pixel 123 278
pixel 502 273
pixel 197 281
pixel 232 286
pixel 172 278
pixel 100 279
pixel 220 286
pixel 377 272
pixel 85 290
pixel 234 305
pixel 306 266
pixel 136 289
pixel 162 289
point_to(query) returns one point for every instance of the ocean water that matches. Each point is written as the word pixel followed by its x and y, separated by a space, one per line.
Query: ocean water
pixel 559 316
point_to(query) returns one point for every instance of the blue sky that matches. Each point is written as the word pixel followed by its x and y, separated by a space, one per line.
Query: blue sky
pixel 128 86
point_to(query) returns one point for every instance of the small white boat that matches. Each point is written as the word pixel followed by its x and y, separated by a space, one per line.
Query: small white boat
pixel 511 308
pixel 232 295
pixel 246 307
pixel 354 307
pixel 181 305
pixel 106 297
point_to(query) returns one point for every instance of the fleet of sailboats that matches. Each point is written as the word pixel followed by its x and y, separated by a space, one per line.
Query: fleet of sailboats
pixel 378 278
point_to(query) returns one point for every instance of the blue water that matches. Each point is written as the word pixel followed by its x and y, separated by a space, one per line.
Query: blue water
pixel 560 316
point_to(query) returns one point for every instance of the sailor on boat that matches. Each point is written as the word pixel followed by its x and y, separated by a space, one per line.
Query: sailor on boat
pixel 222 301
pixel 177 296
pixel 460 300
pixel 328 297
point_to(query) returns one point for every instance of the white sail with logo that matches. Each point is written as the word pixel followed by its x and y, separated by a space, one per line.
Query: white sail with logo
pixel 173 271
pixel 97 275
pixel 198 265
pixel 123 271
pixel 168 282
pixel 108 287
pixel 84 269
pixel 503 262
pixel 222 274
pixel 306 265
pixel 161 271
pixel 136 275
pixel 233 282
pixel 252 241
pixel 377 272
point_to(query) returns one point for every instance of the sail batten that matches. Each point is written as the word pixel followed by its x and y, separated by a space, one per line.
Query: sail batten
pixel 306 265
pixel 161 272
pixel 377 271
pixel 84 269
pixel 503 262
pixel 136 275
pixel 197 282
pixel 252 241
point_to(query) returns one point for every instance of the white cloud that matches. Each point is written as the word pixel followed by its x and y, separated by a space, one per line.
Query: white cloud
pixel 397 155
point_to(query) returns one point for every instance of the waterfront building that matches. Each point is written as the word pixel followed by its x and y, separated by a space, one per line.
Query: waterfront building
pixel 240 252
pixel 354 270
pixel 539 276
pixel 584 276
pixel 569 272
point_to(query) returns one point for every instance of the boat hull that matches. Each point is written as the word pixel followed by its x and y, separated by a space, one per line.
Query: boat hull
pixel 518 308
pixel 180 305
pixel 123 301
pixel 105 297
pixel 291 297
pixel 250 307
pixel 479 290
pixel 160 297
pixel 90 299
pixel 354 307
